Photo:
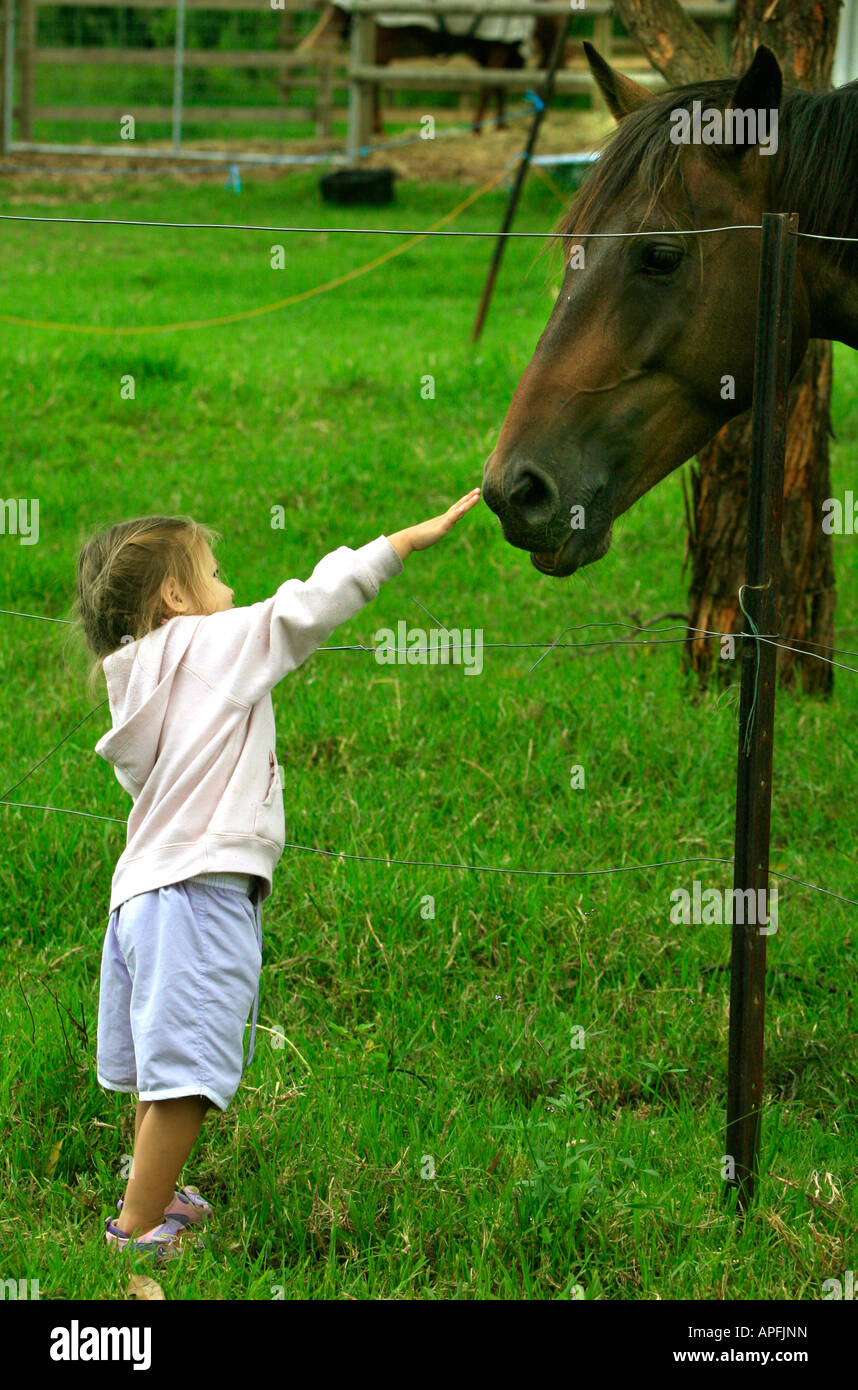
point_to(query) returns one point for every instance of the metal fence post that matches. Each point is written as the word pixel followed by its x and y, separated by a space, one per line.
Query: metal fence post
pixel 178 75
pixel 756 711
pixel 545 97
pixel 8 75
pixel 362 43
pixel 26 67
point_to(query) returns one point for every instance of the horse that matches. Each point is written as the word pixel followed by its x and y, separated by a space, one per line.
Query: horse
pixel 649 348
pixel 493 42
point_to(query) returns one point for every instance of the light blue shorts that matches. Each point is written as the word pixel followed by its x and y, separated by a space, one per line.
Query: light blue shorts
pixel 179 973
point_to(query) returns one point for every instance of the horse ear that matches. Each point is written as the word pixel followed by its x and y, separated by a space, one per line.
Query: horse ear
pixel 759 89
pixel 621 93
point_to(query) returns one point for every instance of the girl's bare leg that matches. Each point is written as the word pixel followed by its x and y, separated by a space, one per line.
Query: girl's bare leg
pixel 142 1107
pixel 165 1134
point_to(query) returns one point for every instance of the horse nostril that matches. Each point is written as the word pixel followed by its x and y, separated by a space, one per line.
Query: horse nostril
pixel 533 494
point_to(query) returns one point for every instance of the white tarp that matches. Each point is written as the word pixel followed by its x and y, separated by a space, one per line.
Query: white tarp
pixel 505 28
pixel 845 67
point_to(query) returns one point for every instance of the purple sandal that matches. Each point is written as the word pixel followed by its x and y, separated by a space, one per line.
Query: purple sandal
pixel 162 1243
pixel 186 1209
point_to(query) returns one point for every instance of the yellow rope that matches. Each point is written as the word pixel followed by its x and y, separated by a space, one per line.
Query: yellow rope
pixel 552 184
pixel 278 304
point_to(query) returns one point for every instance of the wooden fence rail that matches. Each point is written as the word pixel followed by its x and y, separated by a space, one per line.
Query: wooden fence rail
pixel 323 73
pixel 364 74
pixel 706 9
pixel 326 74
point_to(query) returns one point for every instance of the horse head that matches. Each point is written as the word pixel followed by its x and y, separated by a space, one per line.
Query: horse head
pixel 649 348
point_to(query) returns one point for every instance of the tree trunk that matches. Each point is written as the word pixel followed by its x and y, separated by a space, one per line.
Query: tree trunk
pixel 803 36
pixel 672 40
pixel 717 543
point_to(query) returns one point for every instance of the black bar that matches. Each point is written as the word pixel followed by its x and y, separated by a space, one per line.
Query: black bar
pixel 521 175
pixel 759 674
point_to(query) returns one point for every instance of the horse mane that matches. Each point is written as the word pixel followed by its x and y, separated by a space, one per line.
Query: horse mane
pixel 813 171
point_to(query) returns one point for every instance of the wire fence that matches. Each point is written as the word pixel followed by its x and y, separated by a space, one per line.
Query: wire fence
pixel 402 231
pixel 556 645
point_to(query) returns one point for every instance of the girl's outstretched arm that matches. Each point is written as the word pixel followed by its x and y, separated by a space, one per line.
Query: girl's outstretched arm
pixel 244 652
pixel 426 533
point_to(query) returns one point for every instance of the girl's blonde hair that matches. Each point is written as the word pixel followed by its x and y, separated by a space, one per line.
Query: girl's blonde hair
pixel 120 572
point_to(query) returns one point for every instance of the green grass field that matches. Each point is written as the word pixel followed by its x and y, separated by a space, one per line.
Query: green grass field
pixel 391 1044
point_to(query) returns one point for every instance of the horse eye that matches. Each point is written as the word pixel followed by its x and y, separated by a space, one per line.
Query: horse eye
pixel 661 260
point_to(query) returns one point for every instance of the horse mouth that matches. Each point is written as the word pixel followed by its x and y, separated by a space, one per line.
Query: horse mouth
pixel 547 561
pixel 572 554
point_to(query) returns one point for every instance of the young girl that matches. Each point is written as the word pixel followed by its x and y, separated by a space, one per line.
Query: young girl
pixel 189 679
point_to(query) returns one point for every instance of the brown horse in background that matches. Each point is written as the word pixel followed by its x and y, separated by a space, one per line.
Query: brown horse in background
pixel 415 41
pixel 628 378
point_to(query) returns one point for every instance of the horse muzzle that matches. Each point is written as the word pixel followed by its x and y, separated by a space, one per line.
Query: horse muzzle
pixel 577 550
pixel 562 531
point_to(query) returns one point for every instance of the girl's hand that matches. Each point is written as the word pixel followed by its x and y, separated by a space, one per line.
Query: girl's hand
pixel 427 533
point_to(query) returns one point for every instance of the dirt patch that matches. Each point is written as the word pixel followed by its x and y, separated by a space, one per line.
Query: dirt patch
pixel 470 159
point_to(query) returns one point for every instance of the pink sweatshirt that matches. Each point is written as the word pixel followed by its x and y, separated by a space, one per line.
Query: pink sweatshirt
pixel 193 738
